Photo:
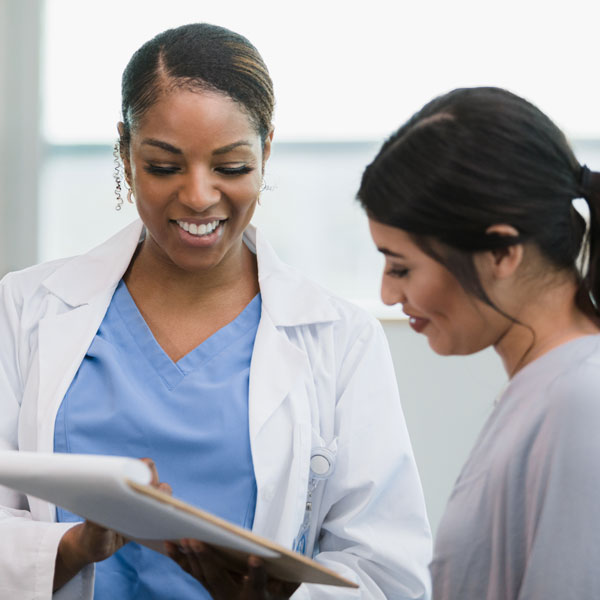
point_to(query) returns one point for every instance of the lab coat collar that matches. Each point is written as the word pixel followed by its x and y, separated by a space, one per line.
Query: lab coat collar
pixel 288 297
pixel 79 280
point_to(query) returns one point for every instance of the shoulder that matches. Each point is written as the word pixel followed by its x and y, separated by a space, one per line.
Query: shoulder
pixel 73 280
pixel 359 322
pixel 294 300
pixel 23 285
pixel 318 305
pixel 575 392
pixel 572 397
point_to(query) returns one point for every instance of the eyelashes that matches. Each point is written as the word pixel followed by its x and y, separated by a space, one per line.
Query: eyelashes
pixel 397 272
pixel 235 170
pixel 230 171
pixel 154 170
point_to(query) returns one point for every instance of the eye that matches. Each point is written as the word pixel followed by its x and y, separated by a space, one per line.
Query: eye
pixel 397 272
pixel 243 170
pixel 156 170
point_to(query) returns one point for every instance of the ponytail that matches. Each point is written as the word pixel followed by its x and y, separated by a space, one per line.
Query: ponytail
pixel 589 188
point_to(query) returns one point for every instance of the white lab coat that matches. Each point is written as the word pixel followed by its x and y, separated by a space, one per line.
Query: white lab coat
pixel 321 376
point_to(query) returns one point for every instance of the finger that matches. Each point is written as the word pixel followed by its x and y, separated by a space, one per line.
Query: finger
pixel 217 580
pixel 170 548
pixel 175 554
pixel 155 481
pixel 281 589
pixel 256 584
pixel 165 487
pixel 191 562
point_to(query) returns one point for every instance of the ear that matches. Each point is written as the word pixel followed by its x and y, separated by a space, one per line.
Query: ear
pixel 267 148
pixel 121 130
pixel 502 263
pixel 124 153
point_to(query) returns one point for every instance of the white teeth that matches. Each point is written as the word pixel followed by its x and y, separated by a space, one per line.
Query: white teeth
pixel 198 230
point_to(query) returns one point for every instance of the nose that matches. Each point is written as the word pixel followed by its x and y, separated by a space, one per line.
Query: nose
pixel 199 190
pixel 392 292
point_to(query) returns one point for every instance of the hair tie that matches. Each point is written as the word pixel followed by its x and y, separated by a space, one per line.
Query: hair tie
pixel 585 179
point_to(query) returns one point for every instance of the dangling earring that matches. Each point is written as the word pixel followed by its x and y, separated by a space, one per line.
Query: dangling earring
pixel 120 178
pixel 263 188
pixel 118 175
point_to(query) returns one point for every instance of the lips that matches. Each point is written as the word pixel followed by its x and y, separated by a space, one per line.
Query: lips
pixel 417 323
pixel 200 233
pixel 198 229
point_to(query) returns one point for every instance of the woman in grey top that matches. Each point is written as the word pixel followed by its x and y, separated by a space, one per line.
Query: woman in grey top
pixel 471 202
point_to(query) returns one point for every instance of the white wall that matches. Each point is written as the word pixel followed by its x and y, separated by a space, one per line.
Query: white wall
pixel 20 145
pixel 446 401
pixel 4 51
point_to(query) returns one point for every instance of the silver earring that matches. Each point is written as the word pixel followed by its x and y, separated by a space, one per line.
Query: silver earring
pixel 118 175
pixel 129 196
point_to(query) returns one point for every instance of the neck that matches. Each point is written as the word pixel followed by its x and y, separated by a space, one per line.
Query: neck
pixel 236 275
pixel 546 321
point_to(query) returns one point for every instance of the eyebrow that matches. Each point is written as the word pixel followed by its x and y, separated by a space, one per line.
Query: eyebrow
pixel 388 252
pixel 163 145
pixel 230 147
pixel 175 150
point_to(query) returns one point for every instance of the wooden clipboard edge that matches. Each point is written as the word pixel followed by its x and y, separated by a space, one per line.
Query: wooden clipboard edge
pixel 163 497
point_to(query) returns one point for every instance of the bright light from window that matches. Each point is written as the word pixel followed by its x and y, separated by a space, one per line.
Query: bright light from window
pixel 342 70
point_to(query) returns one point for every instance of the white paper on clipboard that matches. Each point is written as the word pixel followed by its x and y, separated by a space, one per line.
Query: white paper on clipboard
pixel 115 492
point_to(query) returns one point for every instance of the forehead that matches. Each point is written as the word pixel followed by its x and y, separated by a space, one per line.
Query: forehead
pixel 181 116
pixel 393 241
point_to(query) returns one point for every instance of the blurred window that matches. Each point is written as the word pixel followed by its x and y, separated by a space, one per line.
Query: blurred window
pixel 345 74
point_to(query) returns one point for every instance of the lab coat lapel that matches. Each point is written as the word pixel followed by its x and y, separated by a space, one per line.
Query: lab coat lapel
pixel 288 301
pixel 277 409
pixel 276 366
pixel 63 341
pixel 281 384
pixel 81 290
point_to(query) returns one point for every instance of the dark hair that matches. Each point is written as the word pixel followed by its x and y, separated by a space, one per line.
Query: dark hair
pixel 198 56
pixel 477 157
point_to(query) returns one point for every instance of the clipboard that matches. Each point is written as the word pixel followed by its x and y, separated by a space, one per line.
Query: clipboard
pixel 115 492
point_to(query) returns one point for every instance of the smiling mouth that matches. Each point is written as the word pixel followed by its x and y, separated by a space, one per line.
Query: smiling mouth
pixel 204 229
pixel 417 323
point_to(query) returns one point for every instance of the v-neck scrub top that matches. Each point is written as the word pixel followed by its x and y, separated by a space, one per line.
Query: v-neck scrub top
pixel 129 398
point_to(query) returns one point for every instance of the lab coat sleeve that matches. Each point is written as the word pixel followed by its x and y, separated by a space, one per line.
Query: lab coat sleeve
pixel 374 529
pixel 28 547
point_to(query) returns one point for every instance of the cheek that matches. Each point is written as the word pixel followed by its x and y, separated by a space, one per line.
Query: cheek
pixel 431 299
pixel 243 195
pixel 468 328
pixel 445 297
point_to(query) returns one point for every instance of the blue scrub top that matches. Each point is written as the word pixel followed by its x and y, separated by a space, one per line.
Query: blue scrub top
pixel 129 398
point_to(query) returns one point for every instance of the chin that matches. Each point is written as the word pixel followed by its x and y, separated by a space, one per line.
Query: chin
pixel 447 348
pixel 441 350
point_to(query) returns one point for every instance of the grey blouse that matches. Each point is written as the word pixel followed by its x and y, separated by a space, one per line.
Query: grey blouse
pixel 523 520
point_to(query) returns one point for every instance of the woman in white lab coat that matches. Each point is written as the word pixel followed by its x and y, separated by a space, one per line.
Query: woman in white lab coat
pixel 316 378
